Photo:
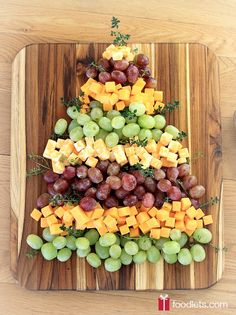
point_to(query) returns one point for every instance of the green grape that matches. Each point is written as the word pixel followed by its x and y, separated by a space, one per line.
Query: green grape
pixel 59 242
pixel 83 252
pixel 144 243
pixel 160 121
pixel 72 112
pixel 131 130
pixel 95 104
pixel 34 241
pixel 175 235
pixel 171 247
pixel 153 254
pixel 202 235
pixel 47 236
pixel 73 124
pixel 60 126
pixel 117 240
pixel 92 235
pixel 113 113
pixel 76 134
pixel 198 252
pixel 146 122
pixel 130 120
pixel 183 240
pixel 70 242
pixel 145 134
pixel 156 134
pixel 140 257
pixel 101 134
pixel 170 259
pixel 119 133
pixel 118 122
pixel 103 252
pixel 107 239
pixel 184 257
pixel 83 119
pixel 159 243
pixel 138 108
pixel 123 241
pixel 64 254
pixel 172 130
pixel 112 264
pixel 125 258
pixel 105 124
pixel 93 260
pixel 82 243
pixel 131 248
pixel 115 251
pixel 112 139
pixel 90 129
pixel 49 251
pixel 96 113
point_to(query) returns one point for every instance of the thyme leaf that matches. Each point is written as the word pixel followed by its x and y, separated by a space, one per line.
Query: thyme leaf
pixel 31 253
pixel 41 165
pixel 168 108
pixel 213 201
pixel 119 38
pixel 72 231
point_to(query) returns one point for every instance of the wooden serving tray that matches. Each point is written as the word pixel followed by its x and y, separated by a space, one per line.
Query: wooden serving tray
pixel 44 73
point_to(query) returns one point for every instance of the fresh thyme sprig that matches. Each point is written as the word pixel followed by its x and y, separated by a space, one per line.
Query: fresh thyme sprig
pixel 182 134
pixel 72 231
pixel 120 39
pixel 218 248
pixel 31 253
pixel 140 143
pixel 70 198
pixel 54 136
pixel 147 172
pixel 126 113
pixel 98 67
pixel 213 201
pixel 75 101
pixel 41 165
pixel 168 108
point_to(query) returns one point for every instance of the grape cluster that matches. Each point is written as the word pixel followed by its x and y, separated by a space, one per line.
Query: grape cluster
pixel 116 250
pixel 122 71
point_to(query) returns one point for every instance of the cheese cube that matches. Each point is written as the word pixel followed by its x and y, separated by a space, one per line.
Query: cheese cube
pixel 98 213
pixel 172 157
pixel 119 153
pixel 183 153
pixel 158 96
pixel 182 160
pixel 36 214
pixel 191 225
pixel 51 220
pixel 163 151
pixel 113 229
pixel 58 167
pixel 167 206
pixel 208 219
pixel 136 90
pixel 174 146
pixel 95 87
pixel 117 55
pixel 185 203
pixel 47 211
pixel 131 220
pixel 67 217
pixel 79 215
pixel 113 212
pixel 124 229
pixel 199 224
pixel 165 232
pixel 120 105
pixel 79 145
pixel 134 232
pixel 67 147
pixel 156 163
pixel 91 161
pixel 140 82
pixel 124 94
pixel 153 212
pixel 180 225
pixel 114 99
pixel 55 229
pixel 191 212
pixel 189 232
pixel 73 159
pixel 162 215
pixel 142 217
pixel 166 138
pixel 50 147
pixel 121 221
pixel 155 233
pixel 133 210
pixel 102 230
pixel 199 214
pixel 133 159
pixel 110 87
pixel 144 227
pixel 43 223
pixel 89 141
pixel 59 212
pixel 60 142
pixel 151 147
pixel 170 222
pixel 129 151
pixel 176 206
pixel 110 221
pixel 153 223
pixel 124 211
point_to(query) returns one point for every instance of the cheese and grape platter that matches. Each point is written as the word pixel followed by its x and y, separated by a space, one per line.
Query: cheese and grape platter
pixel 116 169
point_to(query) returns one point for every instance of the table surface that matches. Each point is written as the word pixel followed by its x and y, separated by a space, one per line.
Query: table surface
pixel 209 22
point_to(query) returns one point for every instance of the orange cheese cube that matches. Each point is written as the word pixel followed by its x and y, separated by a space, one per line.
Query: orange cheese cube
pixel 130 221
pixel 134 232
pixel 133 210
pixel 185 203
pixel 43 223
pixel 199 224
pixel 113 212
pixel 199 214
pixel 55 229
pixel 151 147
pixel 36 214
pixel 67 217
pixel 176 206
pixel 110 221
pixel 120 105
pixel 124 94
pixel 98 213
pixel 167 206
pixel 140 82
pixel 142 217
pixel 155 233
pixel 153 223
pixel 191 212
pixel 47 211
pixel 136 90
pixel 153 212
pixel 124 229
pixel 59 212
pixel 121 220
pixel 79 215
pixel 113 229
pixel 107 107
pixel 149 91
pixel 174 146
pixel 162 215
pixel 158 96
pixel 114 99
pixel 207 219
pixel 155 162
pixel 102 229
pixel 179 216
pixel 90 224
pixel 170 222
pixel 144 227
pixel 166 138
pixel 189 232
pixel 124 211
pixel 110 87
pixel 95 87
pixel 191 225
pixel 180 225
pixel 51 220
pixel 165 232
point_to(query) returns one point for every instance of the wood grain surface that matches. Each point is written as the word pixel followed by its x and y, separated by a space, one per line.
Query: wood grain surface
pixel 44 73
pixel 212 23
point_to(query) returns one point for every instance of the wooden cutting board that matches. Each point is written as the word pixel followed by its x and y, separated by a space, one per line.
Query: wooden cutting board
pixel 44 73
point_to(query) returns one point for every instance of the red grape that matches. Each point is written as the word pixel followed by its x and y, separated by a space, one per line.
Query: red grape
pixel 184 170
pixel 111 61
pixel 150 184
pixel 69 172
pixel 104 77
pixel 197 191
pixel 111 202
pixel 91 192
pixel 129 182
pixel 164 185
pixel 142 60
pixel 189 181
pixel 121 64
pixel 130 200
pixel 159 174
pixel 113 169
pixel 121 193
pixel 104 64
pixel 82 171
pixel 95 175
pixel 174 193
pixel 139 191
pixel 60 185
pixel 82 184
pixel 43 200
pixel 145 73
pixel 50 177
pixel 195 203
pixel 51 190
pixel 159 199
pixel 172 173
pixel 103 165
pixel 88 203
pixel 139 177
pixel 114 182
pixel 118 76
pixel 91 72
pixel 132 73
pixel 150 83
pixel 148 200
pixel 103 191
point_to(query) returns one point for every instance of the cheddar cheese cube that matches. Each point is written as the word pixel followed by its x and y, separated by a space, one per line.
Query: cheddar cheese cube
pixel 134 232
pixel 179 216
pixel 180 225
pixel 151 146
pixel 153 212
pixel 47 211
pixel 165 232
pixel 55 229
pixel 158 96
pixel 67 217
pixel 43 223
pixel 50 147
pixel 91 161
pixel 133 159
pixel 172 157
pixel 174 146
pixel 124 211
pixel 183 153
pixel 120 105
pixel 110 221
pixel 163 152
pixel 144 227
pixel 97 213
pixel 156 163
pixel 133 210
pixel 79 145
pixel 36 214
pixel 58 167
pixel 207 219
pixel 191 225
pixel 176 206
pixel 189 232
pixel 170 222
pixel 153 223
pixel 113 229
pixel 129 151
pixel 110 87
pixel 182 160
pixel 199 214
pixel 124 94
pixel 79 215
pixel 167 206
pixel 191 212
pixel 95 87
pixel 155 233
pixel 51 219
pixel 142 217
pixel 166 138
pixel 124 229
pixel 199 224
pixel 162 215
pixel 185 203
pixel 59 212
pixel 131 220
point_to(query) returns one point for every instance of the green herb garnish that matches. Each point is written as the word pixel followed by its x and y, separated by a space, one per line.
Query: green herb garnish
pixel 126 113
pixel 120 39
pixel 168 108
pixel 32 252
pixel 70 198
pixel 140 143
pixel 42 165
pixel 181 135
pixel 75 101
pixel 72 231
pixel 213 201
pixel 147 172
